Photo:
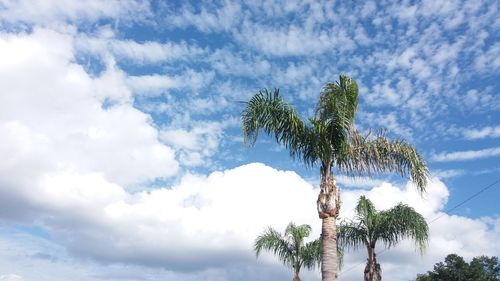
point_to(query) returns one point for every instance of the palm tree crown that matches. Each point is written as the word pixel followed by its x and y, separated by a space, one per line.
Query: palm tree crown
pixel 330 138
pixel 290 247
pixel 389 227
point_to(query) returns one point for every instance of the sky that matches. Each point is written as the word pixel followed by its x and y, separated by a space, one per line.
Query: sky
pixel 121 143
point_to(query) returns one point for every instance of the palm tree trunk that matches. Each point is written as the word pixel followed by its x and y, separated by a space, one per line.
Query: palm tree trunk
pixel 373 272
pixel 328 209
pixel 296 277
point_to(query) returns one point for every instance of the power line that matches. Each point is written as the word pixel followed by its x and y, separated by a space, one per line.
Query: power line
pixel 466 200
pixel 435 219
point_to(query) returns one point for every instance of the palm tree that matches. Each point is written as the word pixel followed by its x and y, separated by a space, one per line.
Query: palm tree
pixel 389 227
pixel 290 247
pixel 330 141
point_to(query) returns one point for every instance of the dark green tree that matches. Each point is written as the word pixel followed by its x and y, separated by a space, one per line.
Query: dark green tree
pixel 455 268
pixel 330 141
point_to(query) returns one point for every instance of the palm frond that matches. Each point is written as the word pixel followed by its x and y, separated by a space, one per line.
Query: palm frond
pixel 402 222
pixel 338 101
pixel 271 240
pixel 351 235
pixel 311 254
pixel 365 210
pixel 297 233
pixel 269 112
pixel 335 110
pixel 366 155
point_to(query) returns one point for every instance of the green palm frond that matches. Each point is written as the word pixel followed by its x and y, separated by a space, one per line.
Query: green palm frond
pixel 297 234
pixel 402 222
pixel 351 235
pixel 271 240
pixel 367 155
pixel 365 210
pixel 311 254
pixel 335 110
pixel 290 247
pixel 269 112
pixel 338 102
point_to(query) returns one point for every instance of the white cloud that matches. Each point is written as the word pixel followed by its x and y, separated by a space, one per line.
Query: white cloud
pixel 292 40
pixel 466 155
pixel 53 11
pixel 230 63
pixel 444 174
pixel 200 142
pixel 149 52
pixel 390 121
pixel 155 84
pixel 11 277
pixel 58 120
pixel 221 18
pixel 486 132
pixel 208 223
pixel 489 60
pixel 207 217
pixel 195 145
pixel 357 182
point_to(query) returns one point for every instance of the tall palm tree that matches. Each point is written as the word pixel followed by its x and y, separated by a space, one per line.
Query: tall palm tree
pixel 389 227
pixel 330 141
pixel 290 247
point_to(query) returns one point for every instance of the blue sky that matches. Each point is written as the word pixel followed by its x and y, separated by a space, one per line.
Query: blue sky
pixel 122 147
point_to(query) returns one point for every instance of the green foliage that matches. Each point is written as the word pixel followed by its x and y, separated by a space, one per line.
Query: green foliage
pixel 330 138
pixel 290 247
pixel 389 227
pixel 455 268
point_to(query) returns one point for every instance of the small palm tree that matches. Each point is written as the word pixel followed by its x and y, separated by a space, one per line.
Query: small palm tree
pixel 389 227
pixel 330 141
pixel 290 247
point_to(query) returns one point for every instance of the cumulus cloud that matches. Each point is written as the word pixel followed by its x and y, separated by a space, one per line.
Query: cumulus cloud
pixel 59 121
pixel 202 222
pixel 207 224
pixel 195 145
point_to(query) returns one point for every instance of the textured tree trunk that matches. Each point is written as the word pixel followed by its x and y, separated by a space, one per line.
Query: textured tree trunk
pixel 296 277
pixel 373 272
pixel 328 209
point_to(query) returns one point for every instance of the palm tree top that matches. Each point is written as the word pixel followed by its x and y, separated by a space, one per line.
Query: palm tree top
pixel 388 226
pixel 330 138
pixel 290 247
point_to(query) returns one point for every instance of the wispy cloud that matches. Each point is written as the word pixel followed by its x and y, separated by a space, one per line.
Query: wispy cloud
pixel 358 182
pixel 155 84
pixel 52 12
pixel 444 174
pixel 466 155
pixel 486 132
pixel 141 53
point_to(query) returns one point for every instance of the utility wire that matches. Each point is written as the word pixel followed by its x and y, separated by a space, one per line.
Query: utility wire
pixel 435 219
pixel 466 200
